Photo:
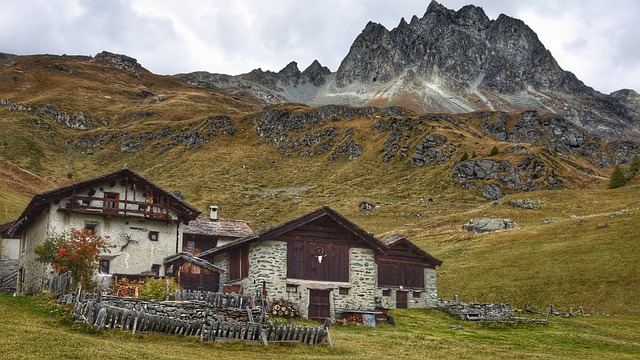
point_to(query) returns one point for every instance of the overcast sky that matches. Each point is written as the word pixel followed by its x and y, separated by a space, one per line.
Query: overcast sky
pixel 597 40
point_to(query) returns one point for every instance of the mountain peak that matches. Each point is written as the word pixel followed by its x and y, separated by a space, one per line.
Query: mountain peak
pixel 291 70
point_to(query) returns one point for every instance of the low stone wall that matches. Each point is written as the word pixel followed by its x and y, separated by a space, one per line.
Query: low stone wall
pixel 476 312
pixel 183 310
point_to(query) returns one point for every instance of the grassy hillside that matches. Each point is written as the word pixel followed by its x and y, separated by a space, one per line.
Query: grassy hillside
pixel 33 330
pixel 586 260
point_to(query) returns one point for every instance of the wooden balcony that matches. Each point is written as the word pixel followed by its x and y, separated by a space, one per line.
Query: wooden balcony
pixel 114 207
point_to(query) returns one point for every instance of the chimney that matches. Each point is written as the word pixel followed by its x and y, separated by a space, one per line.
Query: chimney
pixel 213 212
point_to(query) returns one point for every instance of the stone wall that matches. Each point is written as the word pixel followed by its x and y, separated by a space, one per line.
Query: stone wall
pixel 363 281
pixel 223 262
pixel 426 297
pixel 476 312
pixel 184 310
pixel 268 261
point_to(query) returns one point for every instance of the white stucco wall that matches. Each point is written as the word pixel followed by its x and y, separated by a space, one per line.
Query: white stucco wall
pixel 33 275
pixel 137 257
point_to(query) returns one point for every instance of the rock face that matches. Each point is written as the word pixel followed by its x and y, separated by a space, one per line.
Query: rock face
pixel 448 61
pixel 528 174
pixel 122 62
pixel 479 225
pixel 526 203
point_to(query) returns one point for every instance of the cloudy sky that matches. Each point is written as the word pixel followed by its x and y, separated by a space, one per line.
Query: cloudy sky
pixel 597 40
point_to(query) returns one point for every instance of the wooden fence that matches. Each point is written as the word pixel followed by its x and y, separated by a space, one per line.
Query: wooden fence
pixel 214 328
pixel 60 283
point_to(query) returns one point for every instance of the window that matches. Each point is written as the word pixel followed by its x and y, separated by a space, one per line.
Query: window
pixel 292 288
pixel 153 235
pixel 386 292
pixel 343 291
pixel 104 266
pixel 191 246
pixel 417 294
pixel 111 201
pixel 155 268
pixel 92 227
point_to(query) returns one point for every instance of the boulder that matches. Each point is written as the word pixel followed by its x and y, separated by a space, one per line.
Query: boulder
pixel 526 203
pixel 479 225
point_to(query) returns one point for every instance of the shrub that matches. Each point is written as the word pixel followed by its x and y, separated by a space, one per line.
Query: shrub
pixel 634 167
pixel 75 251
pixel 617 178
pixel 494 151
pixel 156 289
pixel 464 157
pixel 473 154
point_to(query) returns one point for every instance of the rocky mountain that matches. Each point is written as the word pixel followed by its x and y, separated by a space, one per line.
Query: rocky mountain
pixel 447 61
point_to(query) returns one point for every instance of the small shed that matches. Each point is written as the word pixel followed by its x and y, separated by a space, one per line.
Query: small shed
pixel 193 273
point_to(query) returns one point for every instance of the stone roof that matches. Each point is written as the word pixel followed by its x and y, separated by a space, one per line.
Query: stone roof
pixel 220 227
pixel 192 259
pixel 392 239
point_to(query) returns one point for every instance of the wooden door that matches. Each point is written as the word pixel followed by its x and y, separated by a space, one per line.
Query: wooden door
pixel 319 306
pixel 402 299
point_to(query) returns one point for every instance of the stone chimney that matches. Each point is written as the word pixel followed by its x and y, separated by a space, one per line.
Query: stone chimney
pixel 213 212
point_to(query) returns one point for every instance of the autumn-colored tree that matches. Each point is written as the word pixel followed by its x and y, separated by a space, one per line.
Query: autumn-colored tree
pixel 76 251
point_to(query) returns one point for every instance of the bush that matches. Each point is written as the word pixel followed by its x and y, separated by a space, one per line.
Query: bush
pixel 494 151
pixel 634 167
pixel 617 178
pixel 473 154
pixel 156 289
pixel 464 157
pixel 76 251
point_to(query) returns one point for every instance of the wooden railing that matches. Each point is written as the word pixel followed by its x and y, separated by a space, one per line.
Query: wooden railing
pixel 88 204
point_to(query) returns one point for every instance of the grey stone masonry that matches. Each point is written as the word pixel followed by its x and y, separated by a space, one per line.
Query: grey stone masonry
pixel 269 267
pixel 363 280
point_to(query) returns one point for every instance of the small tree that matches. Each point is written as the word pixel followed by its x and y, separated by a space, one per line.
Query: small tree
pixel 156 289
pixel 634 167
pixel 617 178
pixel 464 157
pixel 75 251
pixel 473 154
pixel 494 151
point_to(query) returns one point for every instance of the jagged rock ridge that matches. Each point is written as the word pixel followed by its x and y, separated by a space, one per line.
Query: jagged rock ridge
pixel 447 61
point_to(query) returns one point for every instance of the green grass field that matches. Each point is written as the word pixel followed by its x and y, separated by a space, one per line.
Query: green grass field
pixel 33 329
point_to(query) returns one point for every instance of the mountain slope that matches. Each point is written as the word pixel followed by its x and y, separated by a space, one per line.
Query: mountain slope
pixel 446 61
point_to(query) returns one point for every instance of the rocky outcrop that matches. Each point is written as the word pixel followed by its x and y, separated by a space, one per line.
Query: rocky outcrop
pixel 526 203
pixel 432 150
pixel 528 174
pixel 118 61
pixel 309 132
pixel 193 136
pixel 78 120
pixel 480 225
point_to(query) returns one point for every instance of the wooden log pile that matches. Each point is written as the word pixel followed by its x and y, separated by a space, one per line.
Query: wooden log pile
pixel 286 308
pixel 125 287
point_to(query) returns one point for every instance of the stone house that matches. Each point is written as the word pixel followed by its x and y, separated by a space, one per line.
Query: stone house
pixel 323 262
pixel 141 219
pixel 205 233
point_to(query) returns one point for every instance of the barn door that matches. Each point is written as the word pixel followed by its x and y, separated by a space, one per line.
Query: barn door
pixel 319 307
pixel 401 299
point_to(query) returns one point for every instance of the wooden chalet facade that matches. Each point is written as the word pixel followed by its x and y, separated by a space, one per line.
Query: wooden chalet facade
pixel 323 262
pixel 142 220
